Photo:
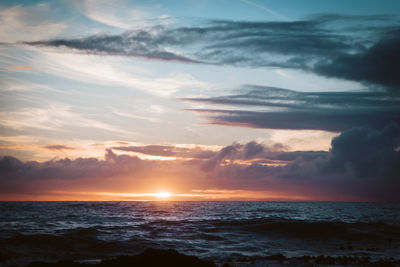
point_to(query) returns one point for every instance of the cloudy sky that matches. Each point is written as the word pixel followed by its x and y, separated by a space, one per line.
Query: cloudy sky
pixel 205 100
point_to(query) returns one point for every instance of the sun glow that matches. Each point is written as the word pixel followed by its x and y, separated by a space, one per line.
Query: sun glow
pixel 196 194
pixel 162 194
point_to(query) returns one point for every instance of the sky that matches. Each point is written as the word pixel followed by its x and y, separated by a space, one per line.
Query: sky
pixel 200 100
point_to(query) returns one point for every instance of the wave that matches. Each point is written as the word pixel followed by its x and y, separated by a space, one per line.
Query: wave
pixel 314 229
pixel 202 237
pixel 88 230
pixel 264 210
pixel 67 241
pixel 272 227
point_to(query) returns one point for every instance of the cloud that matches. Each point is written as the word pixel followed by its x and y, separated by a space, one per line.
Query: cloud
pixel 354 48
pixel 115 172
pixel 254 153
pixel 108 12
pixel 367 153
pixel 59 147
pixel 28 23
pixel 54 117
pixel 104 12
pixel 278 108
pixel 132 44
pixel 105 72
pixel 268 10
pixel 377 64
pixel 169 151
pixel 66 168
pixel 20 68
pixel 362 164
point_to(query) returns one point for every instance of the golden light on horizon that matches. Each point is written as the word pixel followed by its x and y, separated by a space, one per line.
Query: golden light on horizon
pixel 163 194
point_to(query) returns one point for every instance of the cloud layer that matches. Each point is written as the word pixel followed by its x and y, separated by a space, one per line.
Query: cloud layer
pixel 357 48
pixel 363 164
pixel 278 108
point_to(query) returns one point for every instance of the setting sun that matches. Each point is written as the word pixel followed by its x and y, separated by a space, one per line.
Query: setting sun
pixel 162 194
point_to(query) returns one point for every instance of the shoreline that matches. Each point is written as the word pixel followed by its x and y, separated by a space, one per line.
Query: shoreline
pixel 160 257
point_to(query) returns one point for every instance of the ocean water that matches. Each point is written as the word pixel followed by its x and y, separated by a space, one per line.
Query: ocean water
pixel 211 230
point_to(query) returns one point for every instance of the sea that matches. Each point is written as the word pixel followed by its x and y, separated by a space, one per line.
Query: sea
pixel 238 232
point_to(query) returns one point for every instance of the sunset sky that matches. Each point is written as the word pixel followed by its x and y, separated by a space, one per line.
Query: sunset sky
pixel 200 100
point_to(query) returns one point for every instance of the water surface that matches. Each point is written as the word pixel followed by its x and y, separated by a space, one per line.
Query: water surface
pixel 210 230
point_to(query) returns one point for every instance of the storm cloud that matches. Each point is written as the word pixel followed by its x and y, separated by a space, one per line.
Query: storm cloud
pixel 278 108
pixel 357 48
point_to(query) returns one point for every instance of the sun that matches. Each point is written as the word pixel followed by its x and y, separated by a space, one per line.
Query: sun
pixel 162 194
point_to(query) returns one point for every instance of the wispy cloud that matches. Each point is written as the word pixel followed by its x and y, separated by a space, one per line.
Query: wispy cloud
pixel 133 116
pixel 100 71
pixel 28 23
pixel 55 117
pixel 110 13
pixel 270 11
pixel 20 68
pixel 12 84
pixel 43 147
pixel 59 147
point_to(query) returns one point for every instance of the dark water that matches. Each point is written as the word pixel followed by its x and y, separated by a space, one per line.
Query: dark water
pixel 210 230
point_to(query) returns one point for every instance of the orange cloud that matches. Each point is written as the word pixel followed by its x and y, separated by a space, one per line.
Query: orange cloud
pixel 59 147
pixel 20 68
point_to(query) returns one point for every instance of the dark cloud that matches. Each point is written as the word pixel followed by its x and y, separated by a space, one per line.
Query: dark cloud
pixel 65 168
pixel 357 48
pixel 379 64
pixel 169 151
pixel 362 164
pixel 132 44
pixel 363 161
pixel 367 153
pixel 287 109
pixel 252 149
pixel 153 150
